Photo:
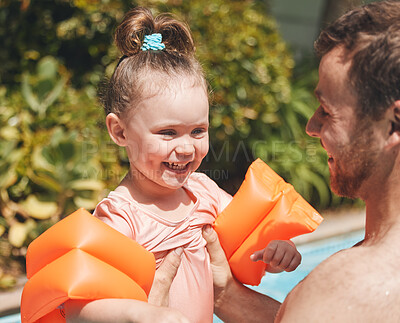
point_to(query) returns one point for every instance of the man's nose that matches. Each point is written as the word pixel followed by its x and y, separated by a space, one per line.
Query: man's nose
pixel 313 126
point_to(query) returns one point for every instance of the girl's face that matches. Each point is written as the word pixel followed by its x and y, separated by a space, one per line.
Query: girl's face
pixel 166 137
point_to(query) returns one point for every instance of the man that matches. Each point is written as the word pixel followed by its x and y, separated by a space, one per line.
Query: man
pixel 358 122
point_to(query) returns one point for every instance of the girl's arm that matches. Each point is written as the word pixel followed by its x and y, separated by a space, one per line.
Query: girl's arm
pixel 130 310
pixel 119 310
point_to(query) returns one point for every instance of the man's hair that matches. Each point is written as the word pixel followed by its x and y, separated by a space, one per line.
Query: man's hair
pixel 371 35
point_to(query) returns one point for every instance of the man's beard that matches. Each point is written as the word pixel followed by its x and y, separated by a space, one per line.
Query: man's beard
pixel 355 163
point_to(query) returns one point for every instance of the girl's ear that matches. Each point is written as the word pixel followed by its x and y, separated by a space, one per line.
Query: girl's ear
pixel 116 129
pixel 394 134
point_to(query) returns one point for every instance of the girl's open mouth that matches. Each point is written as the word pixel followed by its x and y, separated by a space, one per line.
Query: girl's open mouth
pixel 176 166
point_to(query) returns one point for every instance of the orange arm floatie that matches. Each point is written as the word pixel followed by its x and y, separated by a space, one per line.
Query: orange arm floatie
pixel 265 208
pixel 81 257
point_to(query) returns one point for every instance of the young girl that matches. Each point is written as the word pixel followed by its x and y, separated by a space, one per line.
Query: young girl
pixel 157 108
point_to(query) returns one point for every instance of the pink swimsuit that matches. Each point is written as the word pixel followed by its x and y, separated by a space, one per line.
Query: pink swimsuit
pixel 192 289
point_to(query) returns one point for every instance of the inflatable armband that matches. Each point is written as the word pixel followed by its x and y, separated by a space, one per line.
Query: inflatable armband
pixel 265 208
pixel 80 257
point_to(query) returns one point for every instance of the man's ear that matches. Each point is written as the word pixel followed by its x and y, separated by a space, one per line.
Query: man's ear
pixel 116 129
pixel 394 115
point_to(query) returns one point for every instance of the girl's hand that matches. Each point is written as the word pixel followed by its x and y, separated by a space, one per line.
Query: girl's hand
pixel 279 255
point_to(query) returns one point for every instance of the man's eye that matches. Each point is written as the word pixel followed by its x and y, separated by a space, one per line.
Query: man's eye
pixel 323 111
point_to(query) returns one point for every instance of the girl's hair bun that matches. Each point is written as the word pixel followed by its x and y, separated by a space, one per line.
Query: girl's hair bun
pixel 130 33
pixel 134 77
pixel 139 22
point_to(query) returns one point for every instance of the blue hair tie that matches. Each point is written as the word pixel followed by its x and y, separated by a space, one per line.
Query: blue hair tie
pixel 152 42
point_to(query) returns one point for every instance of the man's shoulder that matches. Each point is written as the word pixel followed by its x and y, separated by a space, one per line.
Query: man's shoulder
pixel 337 273
pixel 352 284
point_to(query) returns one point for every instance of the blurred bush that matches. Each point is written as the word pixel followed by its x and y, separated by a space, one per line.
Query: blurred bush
pixel 51 162
pixel 55 154
pixel 77 32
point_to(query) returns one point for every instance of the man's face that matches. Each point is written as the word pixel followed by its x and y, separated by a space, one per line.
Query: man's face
pixel 349 141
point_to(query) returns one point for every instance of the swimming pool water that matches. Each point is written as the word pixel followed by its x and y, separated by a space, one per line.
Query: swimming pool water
pixel 15 318
pixel 279 285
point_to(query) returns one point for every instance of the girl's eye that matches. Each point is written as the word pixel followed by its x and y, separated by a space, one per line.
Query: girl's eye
pixel 167 133
pixel 199 131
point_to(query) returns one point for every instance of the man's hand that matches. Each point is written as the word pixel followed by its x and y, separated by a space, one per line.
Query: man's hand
pixel 165 274
pixel 219 264
pixel 234 302
pixel 279 255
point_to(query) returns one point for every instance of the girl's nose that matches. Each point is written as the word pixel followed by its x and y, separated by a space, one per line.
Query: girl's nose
pixel 185 148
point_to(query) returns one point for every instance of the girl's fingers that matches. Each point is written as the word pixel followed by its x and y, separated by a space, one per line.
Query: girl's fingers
pixel 296 260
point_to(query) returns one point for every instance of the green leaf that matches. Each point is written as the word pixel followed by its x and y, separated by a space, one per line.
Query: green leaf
pixel 38 209
pixel 88 204
pixel 319 183
pixel 45 180
pixel 42 89
pixel 39 161
pixel 57 137
pixel 8 178
pixel 9 133
pixel 303 109
pixel 53 95
pixel 87 184
pixel 67 150
pixel 47 67
pixel 17 234
pixel 7 281
pixel 27 93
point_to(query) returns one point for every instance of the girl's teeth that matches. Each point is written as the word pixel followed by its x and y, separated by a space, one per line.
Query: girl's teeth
pixel 176 166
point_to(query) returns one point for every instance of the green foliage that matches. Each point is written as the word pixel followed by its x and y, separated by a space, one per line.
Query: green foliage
pixel 48 167
pixel 47 89
pixel 77 32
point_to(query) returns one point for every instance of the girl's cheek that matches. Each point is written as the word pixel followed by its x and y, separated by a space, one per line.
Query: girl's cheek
pixel 205 147
pixel 133 150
